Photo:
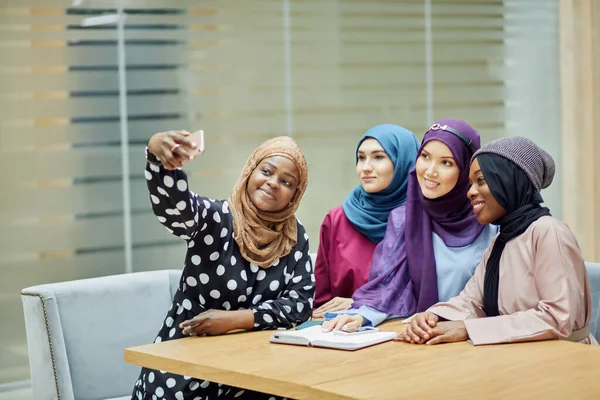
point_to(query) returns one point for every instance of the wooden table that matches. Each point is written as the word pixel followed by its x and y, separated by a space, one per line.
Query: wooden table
pixel 393 370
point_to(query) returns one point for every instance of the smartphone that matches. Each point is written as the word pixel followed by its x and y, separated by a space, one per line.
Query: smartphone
pixel 198 138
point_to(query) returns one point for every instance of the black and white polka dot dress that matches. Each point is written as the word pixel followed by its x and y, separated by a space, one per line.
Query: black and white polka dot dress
pixel 216 276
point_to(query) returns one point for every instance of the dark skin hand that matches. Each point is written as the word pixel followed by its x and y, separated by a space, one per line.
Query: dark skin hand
pixel 218 322
pixel 172 148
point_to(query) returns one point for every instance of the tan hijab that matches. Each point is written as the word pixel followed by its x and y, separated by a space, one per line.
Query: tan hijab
pixel 264 237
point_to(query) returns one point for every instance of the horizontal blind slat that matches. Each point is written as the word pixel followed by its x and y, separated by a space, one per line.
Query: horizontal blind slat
pixel 77 234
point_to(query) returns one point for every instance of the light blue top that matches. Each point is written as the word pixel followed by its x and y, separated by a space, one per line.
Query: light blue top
pixel 454 267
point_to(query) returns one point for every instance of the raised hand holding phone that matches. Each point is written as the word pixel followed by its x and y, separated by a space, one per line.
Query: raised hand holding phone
pixel 173 148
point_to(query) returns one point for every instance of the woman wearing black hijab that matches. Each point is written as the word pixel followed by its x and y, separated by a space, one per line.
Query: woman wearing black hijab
pixel 531 283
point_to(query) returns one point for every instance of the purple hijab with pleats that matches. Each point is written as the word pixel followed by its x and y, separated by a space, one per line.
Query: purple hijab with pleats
pixel 403 278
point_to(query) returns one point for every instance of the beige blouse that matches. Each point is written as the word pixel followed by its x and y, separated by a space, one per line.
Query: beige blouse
pixel 543 292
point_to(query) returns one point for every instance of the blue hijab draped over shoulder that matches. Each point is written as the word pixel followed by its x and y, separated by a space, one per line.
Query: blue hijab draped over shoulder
pixel 369 212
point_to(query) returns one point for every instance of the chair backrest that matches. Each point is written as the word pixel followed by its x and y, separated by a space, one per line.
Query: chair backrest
pixel 593 270
pixel 77 331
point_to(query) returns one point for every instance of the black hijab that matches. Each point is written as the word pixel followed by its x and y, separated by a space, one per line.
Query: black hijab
pixel 513 190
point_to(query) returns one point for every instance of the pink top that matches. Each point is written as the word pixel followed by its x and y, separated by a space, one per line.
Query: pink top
pixel 543 292
pixel 343 259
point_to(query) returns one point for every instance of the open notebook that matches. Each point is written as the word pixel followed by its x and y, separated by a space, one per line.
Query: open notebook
pixel 314 337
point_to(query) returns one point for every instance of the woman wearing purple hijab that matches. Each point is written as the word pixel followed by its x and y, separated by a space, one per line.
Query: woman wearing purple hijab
pixel 433 242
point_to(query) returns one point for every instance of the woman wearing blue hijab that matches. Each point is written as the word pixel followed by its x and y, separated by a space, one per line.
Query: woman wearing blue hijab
pixel 349 234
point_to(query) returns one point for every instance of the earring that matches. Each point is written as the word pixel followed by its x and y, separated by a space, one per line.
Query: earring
pixel 290 203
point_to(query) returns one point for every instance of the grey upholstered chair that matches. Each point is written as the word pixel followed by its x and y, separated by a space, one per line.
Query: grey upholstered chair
pixel 77 331
pixel 593 270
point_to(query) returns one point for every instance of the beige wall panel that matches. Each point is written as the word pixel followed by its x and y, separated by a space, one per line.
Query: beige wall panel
pixel 580 87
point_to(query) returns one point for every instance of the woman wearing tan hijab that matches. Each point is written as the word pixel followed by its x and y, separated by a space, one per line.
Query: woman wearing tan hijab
pixel 247 264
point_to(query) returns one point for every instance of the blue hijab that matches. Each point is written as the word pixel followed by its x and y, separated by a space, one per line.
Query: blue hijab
pixel 369 212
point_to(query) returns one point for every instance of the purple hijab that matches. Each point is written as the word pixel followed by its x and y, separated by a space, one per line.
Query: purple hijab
pixel 403 278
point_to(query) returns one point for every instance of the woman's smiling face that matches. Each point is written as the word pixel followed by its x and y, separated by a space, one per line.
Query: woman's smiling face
pixel 436 169
pixel 273 183
pixel 485 206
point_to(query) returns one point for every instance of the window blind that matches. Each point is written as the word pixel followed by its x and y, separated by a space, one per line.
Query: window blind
pixel 246 71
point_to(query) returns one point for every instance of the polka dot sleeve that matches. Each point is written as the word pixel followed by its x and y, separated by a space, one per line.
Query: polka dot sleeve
pixel 175 206
pixel 294 305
